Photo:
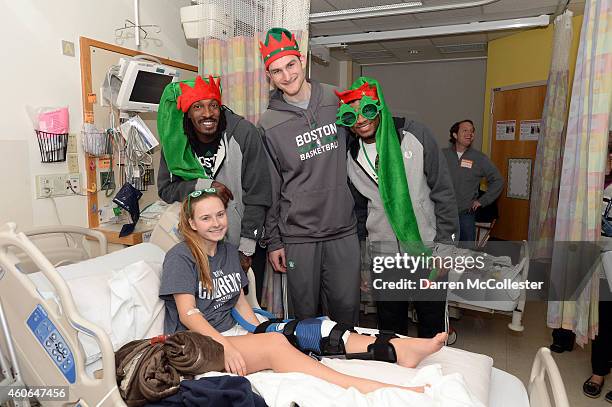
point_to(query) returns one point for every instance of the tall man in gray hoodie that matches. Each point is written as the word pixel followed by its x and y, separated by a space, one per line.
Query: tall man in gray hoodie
pixel 310 227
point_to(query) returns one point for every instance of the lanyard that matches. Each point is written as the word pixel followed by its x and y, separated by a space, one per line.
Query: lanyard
pixel 366 156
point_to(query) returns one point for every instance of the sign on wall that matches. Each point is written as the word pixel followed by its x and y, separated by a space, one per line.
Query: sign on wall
pixel 530 130
pixel 505 130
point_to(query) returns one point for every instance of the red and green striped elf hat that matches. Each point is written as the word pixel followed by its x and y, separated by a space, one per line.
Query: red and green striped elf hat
pixel 279 42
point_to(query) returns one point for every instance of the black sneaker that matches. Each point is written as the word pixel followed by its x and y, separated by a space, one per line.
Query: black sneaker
pixel 608 397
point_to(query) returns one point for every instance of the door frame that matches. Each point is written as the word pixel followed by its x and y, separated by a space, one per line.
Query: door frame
pixel 492 105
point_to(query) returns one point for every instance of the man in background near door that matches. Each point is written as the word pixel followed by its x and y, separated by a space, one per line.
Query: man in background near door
pixel 467 168
pixel 403 195
pixel 310 228
pixel 204 145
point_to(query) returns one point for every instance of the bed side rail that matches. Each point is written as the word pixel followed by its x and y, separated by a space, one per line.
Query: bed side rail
pixel 73 230
pixel 23 305
pixel 73 251
pixel 544 366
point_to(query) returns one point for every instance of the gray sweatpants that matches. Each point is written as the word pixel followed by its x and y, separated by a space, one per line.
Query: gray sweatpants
pixel 325 273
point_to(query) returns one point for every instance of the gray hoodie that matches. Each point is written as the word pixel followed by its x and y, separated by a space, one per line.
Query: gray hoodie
pixel 311 200
pixel 431 190
pixel 240 166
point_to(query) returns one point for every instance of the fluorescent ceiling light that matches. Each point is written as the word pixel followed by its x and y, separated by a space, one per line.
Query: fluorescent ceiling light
pixel 364 12
pixel 408 7
pixel 527 22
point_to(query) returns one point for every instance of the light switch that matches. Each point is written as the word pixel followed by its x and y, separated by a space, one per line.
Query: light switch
pixel 68 48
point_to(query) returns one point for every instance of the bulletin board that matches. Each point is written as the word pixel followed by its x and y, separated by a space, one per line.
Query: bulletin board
pixel 96 58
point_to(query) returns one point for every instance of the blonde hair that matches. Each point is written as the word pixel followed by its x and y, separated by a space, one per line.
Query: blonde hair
pixel 192 238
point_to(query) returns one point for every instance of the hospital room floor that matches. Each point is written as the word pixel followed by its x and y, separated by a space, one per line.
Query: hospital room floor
pixel 513 352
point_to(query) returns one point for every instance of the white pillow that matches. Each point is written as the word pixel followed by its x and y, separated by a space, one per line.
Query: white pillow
pixel 124 303
pixel 135 308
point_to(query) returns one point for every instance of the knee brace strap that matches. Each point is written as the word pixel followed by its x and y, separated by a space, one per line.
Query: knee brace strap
pixel 333 344
pixel 380 350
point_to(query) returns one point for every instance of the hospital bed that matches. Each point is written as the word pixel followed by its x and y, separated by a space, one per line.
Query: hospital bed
pixel 43 334
pixel 510 302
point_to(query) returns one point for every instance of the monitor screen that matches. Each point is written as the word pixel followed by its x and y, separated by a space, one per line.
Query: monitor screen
pixel 148 87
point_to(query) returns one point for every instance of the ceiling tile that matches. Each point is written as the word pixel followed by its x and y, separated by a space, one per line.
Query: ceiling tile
pixel 410 43
pixel 340 54
pixel 320 6
pixel 386 23
pixel 365 46
pixel 376 60
pixel 459 39
pixel 424 53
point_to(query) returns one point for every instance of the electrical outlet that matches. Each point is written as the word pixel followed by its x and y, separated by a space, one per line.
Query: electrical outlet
pixel 73 184
pixel 52 185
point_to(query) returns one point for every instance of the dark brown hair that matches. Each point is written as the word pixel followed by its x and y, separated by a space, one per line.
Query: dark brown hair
pixel 455 129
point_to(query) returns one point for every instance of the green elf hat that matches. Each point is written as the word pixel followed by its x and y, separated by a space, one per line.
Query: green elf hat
pixel 175 101
pixel 279 42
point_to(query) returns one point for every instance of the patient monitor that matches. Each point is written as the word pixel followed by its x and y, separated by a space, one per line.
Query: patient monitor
pixel 136 84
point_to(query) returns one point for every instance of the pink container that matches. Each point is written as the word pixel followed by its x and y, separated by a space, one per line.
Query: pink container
pixel 55 121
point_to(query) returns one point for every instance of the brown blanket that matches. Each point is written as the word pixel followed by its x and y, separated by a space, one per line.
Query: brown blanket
pixel 151 369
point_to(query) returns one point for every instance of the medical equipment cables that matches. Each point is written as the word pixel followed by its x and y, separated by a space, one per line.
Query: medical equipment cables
pixel 137 158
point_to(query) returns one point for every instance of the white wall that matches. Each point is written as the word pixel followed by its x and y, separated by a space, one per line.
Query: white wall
pixel 329 73
pixel 36 73
pixel 436 94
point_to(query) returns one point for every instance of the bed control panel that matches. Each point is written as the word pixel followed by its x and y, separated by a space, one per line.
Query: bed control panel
pixel 49 337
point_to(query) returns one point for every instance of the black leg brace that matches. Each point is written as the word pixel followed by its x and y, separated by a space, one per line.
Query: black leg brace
pixel 380 350
pixel 333 345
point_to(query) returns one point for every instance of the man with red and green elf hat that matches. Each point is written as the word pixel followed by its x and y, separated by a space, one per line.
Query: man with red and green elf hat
pixel 403 197
pixel 204 145
pixel 310 227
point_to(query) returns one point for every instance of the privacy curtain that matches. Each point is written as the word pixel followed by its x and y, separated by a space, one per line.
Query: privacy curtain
pixel 582 174
pixel 547 167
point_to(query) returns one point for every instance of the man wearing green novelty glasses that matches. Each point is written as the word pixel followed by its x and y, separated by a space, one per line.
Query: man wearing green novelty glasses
pixel 403 193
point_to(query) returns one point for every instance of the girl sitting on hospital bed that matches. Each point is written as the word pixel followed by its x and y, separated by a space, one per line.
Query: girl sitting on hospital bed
pixel 202 284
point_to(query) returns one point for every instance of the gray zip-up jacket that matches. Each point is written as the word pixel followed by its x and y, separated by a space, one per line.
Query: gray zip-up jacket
pixel 241 166
pixel 311 200
pixel 466 174
pixel 429 183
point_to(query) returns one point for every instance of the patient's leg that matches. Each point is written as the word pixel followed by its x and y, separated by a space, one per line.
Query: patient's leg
pixel 273 351
pixel 409 351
